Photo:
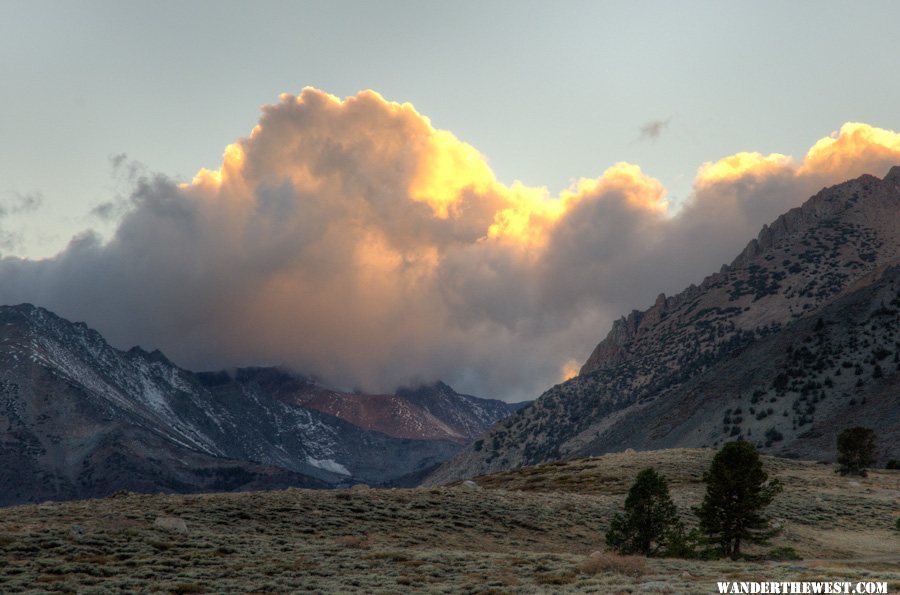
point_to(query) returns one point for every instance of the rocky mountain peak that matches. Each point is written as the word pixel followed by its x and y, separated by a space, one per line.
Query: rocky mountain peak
pixel 427 390
pixel 826 220
pixel 893 176
pixel 25 314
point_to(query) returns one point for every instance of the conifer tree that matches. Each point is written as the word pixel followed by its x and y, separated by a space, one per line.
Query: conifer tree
pixel 856 450
pixel 650 525
pixel 737 491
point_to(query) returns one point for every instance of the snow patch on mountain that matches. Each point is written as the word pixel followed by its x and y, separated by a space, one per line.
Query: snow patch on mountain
pixel 328 465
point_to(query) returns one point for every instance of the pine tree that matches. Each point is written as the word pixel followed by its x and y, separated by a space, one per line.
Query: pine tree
pixel 650 525
pixel 737 490
pixel 856 450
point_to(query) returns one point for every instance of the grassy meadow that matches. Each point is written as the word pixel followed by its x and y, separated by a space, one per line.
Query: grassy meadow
pixel 526 531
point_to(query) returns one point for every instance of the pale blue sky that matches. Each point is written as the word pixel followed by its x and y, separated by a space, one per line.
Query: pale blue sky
pixel 547 91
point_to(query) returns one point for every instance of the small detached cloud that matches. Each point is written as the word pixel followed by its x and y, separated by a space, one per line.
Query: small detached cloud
pixel 653 129
pixel 352 240
pixel 16 204
pixel 126 174
pixel 19 203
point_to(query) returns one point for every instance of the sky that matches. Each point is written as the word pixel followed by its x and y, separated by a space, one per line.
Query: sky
pixel 470 191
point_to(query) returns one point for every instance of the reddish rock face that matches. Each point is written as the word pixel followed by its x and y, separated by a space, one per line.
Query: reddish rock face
pixel 428 412
pixel 387 414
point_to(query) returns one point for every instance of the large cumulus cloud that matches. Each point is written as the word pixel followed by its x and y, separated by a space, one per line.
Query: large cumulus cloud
pixel 351 240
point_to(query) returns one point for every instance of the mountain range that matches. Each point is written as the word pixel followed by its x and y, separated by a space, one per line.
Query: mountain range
pixel 79 418
pixel 794 340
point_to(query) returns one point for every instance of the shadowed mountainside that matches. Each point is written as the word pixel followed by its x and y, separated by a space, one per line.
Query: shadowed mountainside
pixel 79 418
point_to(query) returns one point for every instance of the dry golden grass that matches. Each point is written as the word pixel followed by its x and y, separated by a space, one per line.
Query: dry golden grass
pixel 507 538
pixel 609 562
pixel 823 514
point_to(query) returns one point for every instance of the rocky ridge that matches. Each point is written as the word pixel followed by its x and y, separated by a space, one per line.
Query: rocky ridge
pixel 427 412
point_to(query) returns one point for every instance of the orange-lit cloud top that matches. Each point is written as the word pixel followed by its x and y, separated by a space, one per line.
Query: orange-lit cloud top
pixel 853 150
pixel 846 152
pixel 399 157
pixel 350 239
pixel 740 165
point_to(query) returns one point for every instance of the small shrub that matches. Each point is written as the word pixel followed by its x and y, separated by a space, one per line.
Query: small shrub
pixel 549 578
pixel 782 554
pixel 188 588
pixel 689 545
pixel 893 464
pixel 773 435
pixel 353 541
pixel 597 562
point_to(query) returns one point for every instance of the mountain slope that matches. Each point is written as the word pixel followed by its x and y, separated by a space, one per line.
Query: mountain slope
pixel 466 416
pixel 80 418
pixel 681 372
pixel 68 430
pixel 428 412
